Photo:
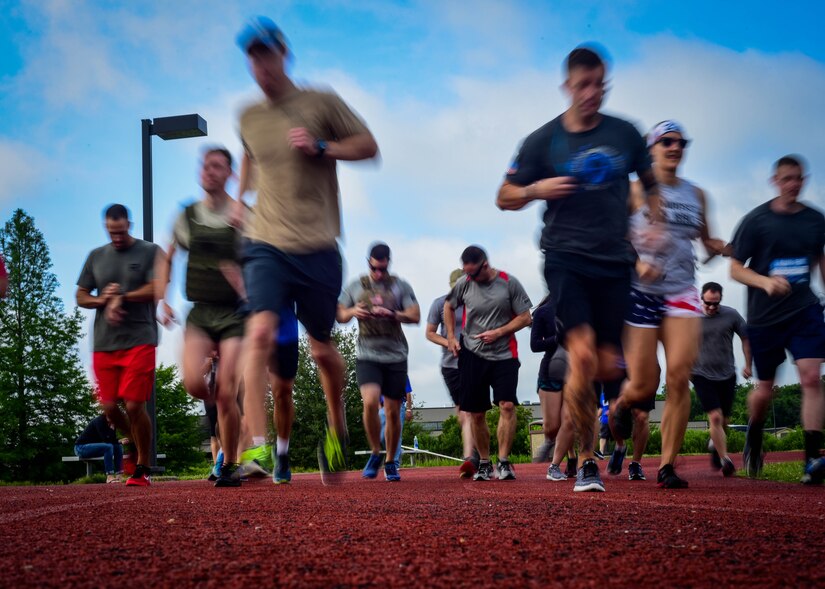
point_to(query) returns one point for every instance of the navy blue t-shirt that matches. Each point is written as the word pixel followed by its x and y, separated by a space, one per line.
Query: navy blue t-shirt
pixel 588 230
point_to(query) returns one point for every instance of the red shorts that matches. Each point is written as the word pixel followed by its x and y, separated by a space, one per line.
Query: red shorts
pixel 125 374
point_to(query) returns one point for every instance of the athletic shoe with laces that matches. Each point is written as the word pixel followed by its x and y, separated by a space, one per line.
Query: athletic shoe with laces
pixel 506 472
pixel 588 479
pixel 668 479
pixel 728 468
pixel 614 465
pixel 216 469
pixel 373 464
pixel 484 472
pixel 752 453
pixel 598 454
pixel 140 478
pixel 555 474
pixel 715 459
pixel 467 468
pixel 230 476
pixel 331 458
pixel 635 472
pixel 572 467
pixel 814 472
pixel 545 451
pixel 621 421
pixel 391 472
pixel 257 461
pixel 282 474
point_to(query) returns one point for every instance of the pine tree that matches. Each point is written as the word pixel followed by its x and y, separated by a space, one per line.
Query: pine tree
pixel 45 396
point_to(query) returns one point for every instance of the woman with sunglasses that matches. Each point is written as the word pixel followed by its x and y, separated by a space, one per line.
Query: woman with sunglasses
pixel 665 303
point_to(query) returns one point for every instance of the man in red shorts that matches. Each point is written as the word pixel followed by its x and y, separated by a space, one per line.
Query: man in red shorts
pixel 125 331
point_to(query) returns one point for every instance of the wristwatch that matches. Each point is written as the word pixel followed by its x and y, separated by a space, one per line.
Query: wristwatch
pixel 321 146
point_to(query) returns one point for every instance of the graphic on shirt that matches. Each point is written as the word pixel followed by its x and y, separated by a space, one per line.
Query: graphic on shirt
pixel 795 270
pixel 596 167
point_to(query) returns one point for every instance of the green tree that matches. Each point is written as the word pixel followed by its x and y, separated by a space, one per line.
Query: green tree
pixel 311 409
pixel 45 396
pixel 179 429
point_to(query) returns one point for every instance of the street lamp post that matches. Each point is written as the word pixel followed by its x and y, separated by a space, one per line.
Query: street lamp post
pixel 177 127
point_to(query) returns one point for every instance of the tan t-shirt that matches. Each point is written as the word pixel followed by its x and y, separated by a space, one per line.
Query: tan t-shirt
pixel 298 208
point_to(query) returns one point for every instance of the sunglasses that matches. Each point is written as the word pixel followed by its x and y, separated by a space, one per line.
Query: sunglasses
pixel 670 141
pixel 710 304
pixel 378 268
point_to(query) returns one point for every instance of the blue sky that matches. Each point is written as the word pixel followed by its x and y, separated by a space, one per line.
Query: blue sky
pixel 448 88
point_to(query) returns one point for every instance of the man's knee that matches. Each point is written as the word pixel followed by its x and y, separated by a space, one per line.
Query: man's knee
pixel 810 379
pixel 507 408
pixel 325 353
pixel 716 419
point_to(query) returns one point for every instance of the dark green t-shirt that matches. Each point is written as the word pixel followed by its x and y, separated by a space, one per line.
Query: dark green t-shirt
pixel 131 268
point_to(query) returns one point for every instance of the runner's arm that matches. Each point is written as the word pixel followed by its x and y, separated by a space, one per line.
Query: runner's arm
pixel 163 270
pixel 713 246
pixel 411 314
pixel 654 200
pixel 431 333
pixel 747 370
pixel 142 294
pixel 513 197
pixel 87 300
pixel 772 285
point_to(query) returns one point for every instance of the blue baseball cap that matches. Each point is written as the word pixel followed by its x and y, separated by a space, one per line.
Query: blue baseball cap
pixel 261 30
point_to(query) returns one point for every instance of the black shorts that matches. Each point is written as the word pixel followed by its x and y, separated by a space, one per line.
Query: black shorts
pixel 283 362
pixel 310 283
pixel 452 378
pixel 802 334
pixel 391 377
pixel 479 375
pixel 715 394
pixel 604 431
pixel 600 303
pixel 545 382
pixel 212 418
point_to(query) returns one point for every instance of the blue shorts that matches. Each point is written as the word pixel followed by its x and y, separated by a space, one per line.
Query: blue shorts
pixel 648 311
pixel 802 334
pixel 309 283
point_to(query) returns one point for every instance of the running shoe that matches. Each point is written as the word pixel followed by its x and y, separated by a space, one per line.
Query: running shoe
pixel 668 479
pixel 140 478
pixel 257 461
pixel 635 472
pixel 814 472
pixel 506 472
pixel 467 468
pixel 614 465
pixel 230 476
pixel 391 472
pixel 373 464
pixel 728 468
pixel 598 454
pixel 715 459
pixel 282 474
pixel 572 467
pixel 545 451
pixel 332 460
pixel 555 474
pixel 588 479
pixel 752 453
pixel 216 469
pixel 621 421
pixel 113 478
pixel 484 472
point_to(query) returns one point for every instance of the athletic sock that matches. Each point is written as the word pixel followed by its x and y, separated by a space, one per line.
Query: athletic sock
pixel 258 440
pixel 813 443
pixel 282 446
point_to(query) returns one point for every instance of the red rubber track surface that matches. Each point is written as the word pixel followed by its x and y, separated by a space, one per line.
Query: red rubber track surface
pixel 432 529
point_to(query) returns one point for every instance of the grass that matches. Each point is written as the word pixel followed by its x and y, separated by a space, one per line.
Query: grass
pixel 780 472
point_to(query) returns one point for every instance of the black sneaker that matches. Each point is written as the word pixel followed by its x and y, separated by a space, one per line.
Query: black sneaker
pixel 668 479
pixel 598 454
pixel 752 453
pixel 230 476
pixel 572 467
pixel 621 421
pixel 614 465
pixel 814 472
pixel 728 468
pixel 715 459
pixel 485 471
pixel 635 472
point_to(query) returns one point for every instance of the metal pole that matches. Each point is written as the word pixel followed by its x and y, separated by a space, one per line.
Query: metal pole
pixel 146 142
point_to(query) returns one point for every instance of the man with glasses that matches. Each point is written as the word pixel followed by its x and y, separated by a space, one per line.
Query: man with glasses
pixel 295 137
pixel 380 302
pixel 496 306
pixel 714 374
pixel 782 242
pixel 579 165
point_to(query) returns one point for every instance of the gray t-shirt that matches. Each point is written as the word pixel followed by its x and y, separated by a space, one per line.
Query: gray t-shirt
pixel 131 268
pixel 436 317
pixel 380 340
pixel 490 305
pixel 716 354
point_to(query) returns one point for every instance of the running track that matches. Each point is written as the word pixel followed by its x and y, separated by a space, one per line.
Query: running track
pixel 432 529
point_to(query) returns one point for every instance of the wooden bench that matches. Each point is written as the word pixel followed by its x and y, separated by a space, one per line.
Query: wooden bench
pixel 90 461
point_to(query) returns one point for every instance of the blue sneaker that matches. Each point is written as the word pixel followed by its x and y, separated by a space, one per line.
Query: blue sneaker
pixel 814 472
pixel 391 472
pixel 373 464
pixel 281 474
pixel 216 469
pixel 588 479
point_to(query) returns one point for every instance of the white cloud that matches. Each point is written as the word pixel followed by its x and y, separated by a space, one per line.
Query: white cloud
pixel 20 170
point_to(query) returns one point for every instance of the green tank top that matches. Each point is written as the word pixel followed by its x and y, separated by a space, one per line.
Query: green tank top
pixel 208 247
